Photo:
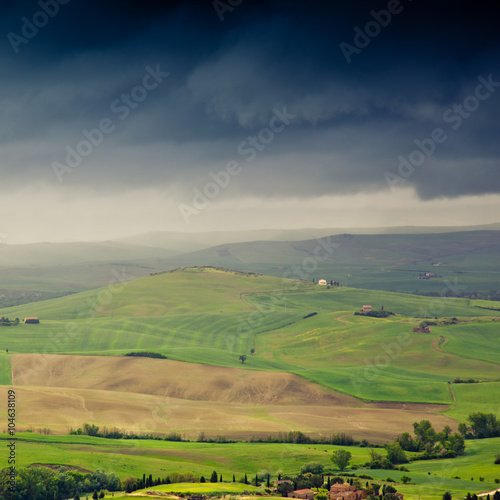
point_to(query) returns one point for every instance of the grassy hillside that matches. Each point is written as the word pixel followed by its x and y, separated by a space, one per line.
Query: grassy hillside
pixel 212 316
pixel 132 457
pixel 390 261
pixel 379 261
pixel 5 373
pixel 171 293
pixel 157 395
pixel 287 330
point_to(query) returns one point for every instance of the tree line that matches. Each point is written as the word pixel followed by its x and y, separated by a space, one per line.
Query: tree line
pixel 40 483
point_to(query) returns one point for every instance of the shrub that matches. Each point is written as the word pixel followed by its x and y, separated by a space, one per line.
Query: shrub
pixel 147 355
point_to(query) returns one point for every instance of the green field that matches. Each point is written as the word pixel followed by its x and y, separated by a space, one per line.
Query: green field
pixel 137 457
pixel 211 316
pixel 5 374
pixel 370 261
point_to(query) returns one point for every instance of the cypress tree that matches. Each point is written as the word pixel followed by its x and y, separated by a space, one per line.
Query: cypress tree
pixel 220 479
pixel 213 477
pixel 246 478
pixel 234 479
pixel 268 480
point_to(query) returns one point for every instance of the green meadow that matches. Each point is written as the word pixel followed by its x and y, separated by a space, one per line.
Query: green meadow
pixel 429 479
pixel 212 316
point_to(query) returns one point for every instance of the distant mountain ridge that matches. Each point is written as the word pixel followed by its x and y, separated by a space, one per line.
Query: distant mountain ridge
pixel 187 242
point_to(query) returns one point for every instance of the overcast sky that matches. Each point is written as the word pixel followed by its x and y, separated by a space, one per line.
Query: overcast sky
pixel 121 117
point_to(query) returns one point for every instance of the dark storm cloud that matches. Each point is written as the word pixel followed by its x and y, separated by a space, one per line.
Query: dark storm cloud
pixel 352 120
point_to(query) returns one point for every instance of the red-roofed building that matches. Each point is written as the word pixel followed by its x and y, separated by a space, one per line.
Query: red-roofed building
pixel 345 491
pixel 31 320
pixel 421 329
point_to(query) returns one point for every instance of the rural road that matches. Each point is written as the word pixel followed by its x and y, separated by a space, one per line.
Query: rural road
pixel 489 493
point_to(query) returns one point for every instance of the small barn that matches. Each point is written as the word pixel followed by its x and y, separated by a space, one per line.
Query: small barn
pixel 366 309
pixel 31 321
pixel 422 329
pixel 322 282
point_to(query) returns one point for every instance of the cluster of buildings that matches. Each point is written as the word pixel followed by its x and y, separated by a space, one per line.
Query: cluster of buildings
pixel 427 276
pixel 337 492
pixel 422 329
pixel 323 282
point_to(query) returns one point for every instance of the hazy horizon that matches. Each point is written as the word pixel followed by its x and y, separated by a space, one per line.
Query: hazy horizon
pixel 120 118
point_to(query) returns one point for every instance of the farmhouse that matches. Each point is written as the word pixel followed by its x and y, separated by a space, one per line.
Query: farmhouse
pixel 422 329
pixel 306 494
pixel 345 492
pixel 366 309
pixel 322 282
pixel 427 276
pixel 31 320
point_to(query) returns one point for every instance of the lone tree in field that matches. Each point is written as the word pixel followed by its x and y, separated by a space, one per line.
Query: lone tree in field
pixel 213 477
pixel 447 496
pixel 243 358
pixel 341 458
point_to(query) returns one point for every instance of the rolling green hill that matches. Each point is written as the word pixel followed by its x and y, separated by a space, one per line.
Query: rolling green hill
pixel 391 261
pixel 380 261
pixel 212 316
pixel 430 479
